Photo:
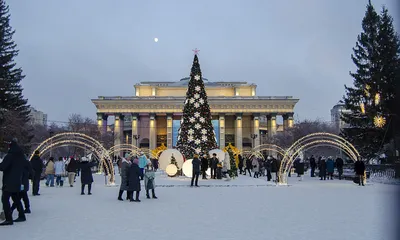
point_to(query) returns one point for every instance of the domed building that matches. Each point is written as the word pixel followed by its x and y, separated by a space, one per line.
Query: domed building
pixel 152 116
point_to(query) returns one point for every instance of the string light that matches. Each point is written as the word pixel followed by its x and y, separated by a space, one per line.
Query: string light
pixel 311 141
pixel 362 107
pixel 377 99
pixel 379 121
pixel 82 141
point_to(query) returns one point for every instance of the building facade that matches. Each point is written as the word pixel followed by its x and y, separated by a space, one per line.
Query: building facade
pixel 336 113
pixel 153 115
pixel 37 117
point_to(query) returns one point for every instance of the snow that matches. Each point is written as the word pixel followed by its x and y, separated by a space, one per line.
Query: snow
pixel 244 208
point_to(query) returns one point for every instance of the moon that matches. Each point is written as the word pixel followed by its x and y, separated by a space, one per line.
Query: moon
pixel 155 39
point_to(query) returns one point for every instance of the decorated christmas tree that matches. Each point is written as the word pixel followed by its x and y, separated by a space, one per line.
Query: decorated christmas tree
pixel 173 161
pixel 233 171
pixel 196 133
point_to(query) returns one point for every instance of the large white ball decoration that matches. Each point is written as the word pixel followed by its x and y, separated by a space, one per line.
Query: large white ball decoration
pixel 171 170
pixel 187 168
pixel 165 158
pixel 220 154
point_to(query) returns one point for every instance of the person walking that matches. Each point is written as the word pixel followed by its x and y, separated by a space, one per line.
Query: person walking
pixel 86 174
pixel 313 165
pixel 50 171
pixel 125 164
pixel 204 166
pixel 37 166
pixel 256 167
pixel 339 166
pixel 142 163
pixel 26 175
pixel 330 167
pixel 240 165
pixel 248 166
pixel 213 165
pixel 322 169
pixel 196 170
pixel 359 169
pixel 300 169
pixel 134 176
pixel 71 169
pixel 149 181
pixel 59 171
pixel 12 167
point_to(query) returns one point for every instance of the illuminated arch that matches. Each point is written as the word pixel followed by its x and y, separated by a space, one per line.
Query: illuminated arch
pixel 82 141
pixel 312 141
pixel 131 149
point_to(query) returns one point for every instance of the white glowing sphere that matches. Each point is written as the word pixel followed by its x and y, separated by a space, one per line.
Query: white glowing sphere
pixel 165 158
pixel 187 168
pixel 220 154
pixel 155 39
pixel 171 170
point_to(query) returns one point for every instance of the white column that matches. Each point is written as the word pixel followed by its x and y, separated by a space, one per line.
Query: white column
pixel 169 130
pixel 271 124
pixel 287 121
pixel 118 131
pixel 102 123
pixel 221 131
pixel 256 129
pixel 153 132
pixel 238 132
pixel 135 130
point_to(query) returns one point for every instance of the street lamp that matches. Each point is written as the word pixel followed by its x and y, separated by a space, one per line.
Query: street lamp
pixel 253 136
pixel 136 137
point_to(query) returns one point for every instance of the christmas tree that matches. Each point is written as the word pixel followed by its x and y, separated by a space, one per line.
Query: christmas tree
pixel 371 100
pixel 14 110
pixel 173 161
pixel 233 171
pixel 196 133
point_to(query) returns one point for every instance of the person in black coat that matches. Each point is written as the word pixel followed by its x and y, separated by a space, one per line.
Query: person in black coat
pixel 359 168
pixel 339 166
pixel 86 174
pixel 213 165
pixel 134 176
pixel 71 169
pixel 322 169
pixel 249 166
pixel 26 175
pixel 240 163
pixel 13 167
pixel 37 166
pixel 196 170
pixel 204 166
pixel 313 165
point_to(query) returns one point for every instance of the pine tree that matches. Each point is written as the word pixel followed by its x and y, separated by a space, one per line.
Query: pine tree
pixel 13 105
pixel 233 171
pixel 173 161
pixel 373 81
pixel 196 133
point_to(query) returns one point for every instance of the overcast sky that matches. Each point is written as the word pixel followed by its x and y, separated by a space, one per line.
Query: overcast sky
pixel 73 51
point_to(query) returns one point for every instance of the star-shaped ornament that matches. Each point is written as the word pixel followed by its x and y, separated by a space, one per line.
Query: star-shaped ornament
pixel 197 77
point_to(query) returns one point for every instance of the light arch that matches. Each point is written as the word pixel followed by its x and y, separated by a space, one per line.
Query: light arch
pixel 312 141
pixel 82 141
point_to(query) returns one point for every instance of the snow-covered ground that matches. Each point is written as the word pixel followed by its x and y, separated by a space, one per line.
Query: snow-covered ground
pixel 244 208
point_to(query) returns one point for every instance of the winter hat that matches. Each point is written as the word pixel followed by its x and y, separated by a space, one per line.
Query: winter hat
pixel 126 155
pixel 136 161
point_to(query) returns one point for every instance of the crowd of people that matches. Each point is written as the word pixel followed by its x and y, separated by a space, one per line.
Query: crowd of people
pixel 17 170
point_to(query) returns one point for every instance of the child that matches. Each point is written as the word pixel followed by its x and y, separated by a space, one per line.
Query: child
pixel 149 183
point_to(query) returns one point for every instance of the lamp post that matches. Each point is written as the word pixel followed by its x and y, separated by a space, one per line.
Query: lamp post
pixel 136 137
pixel 253 136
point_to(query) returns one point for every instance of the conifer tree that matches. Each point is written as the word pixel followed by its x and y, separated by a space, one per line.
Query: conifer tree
pixel 196 133
pixel 233 171
pixel 13 106
pixel 376 58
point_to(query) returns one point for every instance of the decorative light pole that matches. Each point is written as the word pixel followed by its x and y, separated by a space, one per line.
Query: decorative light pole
pixel 253 136
pixel 136 137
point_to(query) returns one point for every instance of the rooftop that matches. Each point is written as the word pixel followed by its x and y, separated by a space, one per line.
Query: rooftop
pixel 185 81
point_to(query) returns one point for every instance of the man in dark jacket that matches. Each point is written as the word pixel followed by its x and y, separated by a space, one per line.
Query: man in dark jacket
pixel 37 166
pixel 204 166
pixel 196 170
pixel 240 165
pixel 12 167
pixel 26 175
pixel 359 168
pixel 313 165
pixel 339 165
pixel 213 164
pixel 71 169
